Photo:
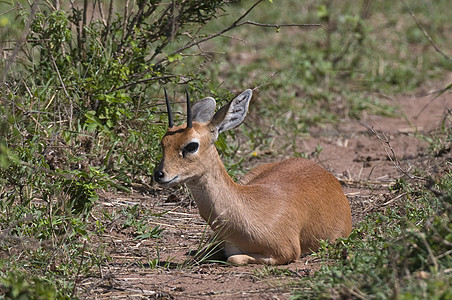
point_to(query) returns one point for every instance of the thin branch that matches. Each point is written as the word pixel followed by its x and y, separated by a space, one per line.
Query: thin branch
pixel 173 20
pixel 277 26
pixel 142 81
pixel 107 28
pixel 29 114
pixel 266 82
pixel 7 11
pixel 447 253
pixel 247 12
pixel 101 13
pixel 135 22
pixel 126 19
pixel 235 24
pixel 425 33
pixel 77 276
pixel 194 43
pixel 23 38
pixel 439 93
pixel 429 250
pixel 84 23
pixel 71 106
pixel 390 153
pixel 394 199
pixel 231 37
pixel 93 9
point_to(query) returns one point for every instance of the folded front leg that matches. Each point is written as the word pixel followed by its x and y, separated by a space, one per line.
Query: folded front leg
pixel 244 259
pixel 237 257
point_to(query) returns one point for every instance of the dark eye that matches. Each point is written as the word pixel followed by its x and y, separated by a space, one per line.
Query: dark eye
pixel 190 148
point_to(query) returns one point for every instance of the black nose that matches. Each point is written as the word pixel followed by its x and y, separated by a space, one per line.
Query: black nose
pixel 158 175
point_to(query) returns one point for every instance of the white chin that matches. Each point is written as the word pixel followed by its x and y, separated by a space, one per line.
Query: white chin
pixel 170 183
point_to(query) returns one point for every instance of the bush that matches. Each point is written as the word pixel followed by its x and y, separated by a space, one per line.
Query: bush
pixel 392 255
pixel 81 100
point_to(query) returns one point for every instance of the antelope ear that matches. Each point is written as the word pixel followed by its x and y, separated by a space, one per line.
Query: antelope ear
pixel 203 110
pixel 232 114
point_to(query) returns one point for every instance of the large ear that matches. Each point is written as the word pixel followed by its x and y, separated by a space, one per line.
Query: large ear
pixel 232 114
pixel 203 110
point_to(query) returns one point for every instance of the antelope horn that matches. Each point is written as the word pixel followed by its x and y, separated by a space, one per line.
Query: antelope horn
pixel 168 109
pixel 189 118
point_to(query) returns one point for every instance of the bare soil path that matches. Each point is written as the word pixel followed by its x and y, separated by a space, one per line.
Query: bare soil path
pixel 349 150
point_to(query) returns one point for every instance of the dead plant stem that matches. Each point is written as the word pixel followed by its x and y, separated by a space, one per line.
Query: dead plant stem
pixel 425 33
pixel 381 136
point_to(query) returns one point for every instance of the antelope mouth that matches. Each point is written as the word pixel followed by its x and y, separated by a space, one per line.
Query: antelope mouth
pixel 170 182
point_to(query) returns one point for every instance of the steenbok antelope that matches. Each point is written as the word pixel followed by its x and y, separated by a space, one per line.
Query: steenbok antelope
pixel 277 212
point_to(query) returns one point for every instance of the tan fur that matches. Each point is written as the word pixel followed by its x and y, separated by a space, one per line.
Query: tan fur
pixel 277 212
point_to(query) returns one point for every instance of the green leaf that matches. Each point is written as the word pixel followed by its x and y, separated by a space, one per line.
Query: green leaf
pixel 174 57
pixel 322 12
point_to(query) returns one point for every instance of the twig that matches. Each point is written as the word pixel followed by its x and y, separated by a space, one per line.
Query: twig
pixel 126 19
pixel 142 81
pixel 23 38
pixel 373 183
pixel 394 199
pixel 439 93
pixel 235 24
pixel 8 10
pixel 425 94
pixel 84 23
pixel 71 107
pixel 29 114
pixel 429 250
pixel 231 37
pixel 101 13
pixel 358 294
pixel 445 254
pixel 130 25
pixel 390 153
pixel 267 81
pixel 93 9
pixel 424 32
pixel 110 13
pixel 77 276
pixel 173 20
pixel 277 26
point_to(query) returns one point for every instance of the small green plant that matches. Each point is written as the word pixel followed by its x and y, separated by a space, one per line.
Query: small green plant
pixel 16 286
pixel 139 221
pixel 156 263
pixel 210 250
pixel 146 232
pixel 440 142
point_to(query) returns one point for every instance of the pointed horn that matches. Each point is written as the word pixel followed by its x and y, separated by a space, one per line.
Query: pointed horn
pixel 189 118
pixel 168 109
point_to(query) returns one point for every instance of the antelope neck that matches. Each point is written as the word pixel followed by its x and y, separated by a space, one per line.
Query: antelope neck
pixel 215 193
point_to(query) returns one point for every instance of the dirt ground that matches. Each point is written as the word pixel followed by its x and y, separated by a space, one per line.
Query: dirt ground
pixel 351 151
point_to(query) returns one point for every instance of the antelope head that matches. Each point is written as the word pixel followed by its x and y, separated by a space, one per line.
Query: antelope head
pixel 188 149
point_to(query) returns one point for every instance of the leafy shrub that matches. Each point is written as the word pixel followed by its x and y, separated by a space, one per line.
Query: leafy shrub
pixel 16 286
pixel 81 100
pixel 392 255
